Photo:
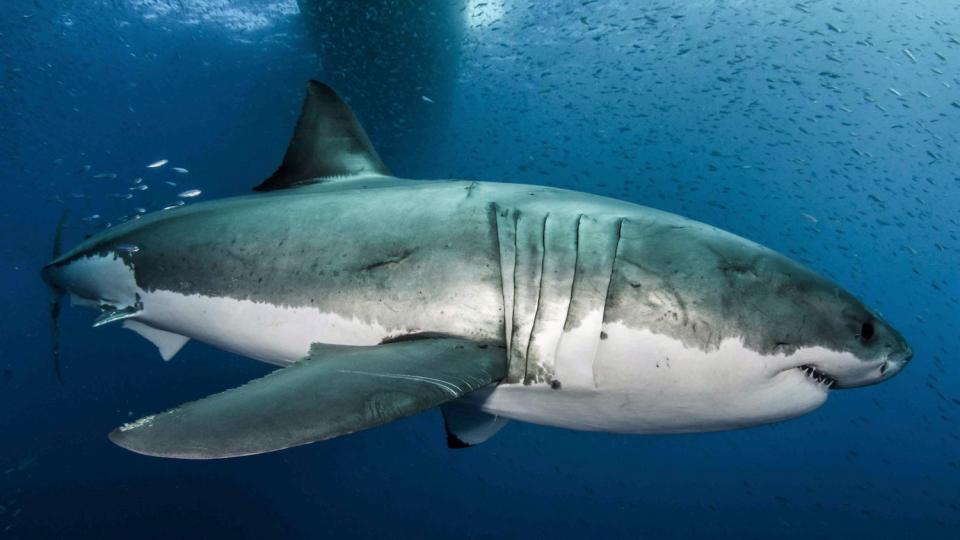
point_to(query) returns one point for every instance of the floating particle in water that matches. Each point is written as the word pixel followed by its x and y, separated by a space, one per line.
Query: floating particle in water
pixel 157 164
pixel 190 193
pixel 180 170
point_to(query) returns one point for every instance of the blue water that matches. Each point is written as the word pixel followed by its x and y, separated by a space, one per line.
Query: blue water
pixel 822 129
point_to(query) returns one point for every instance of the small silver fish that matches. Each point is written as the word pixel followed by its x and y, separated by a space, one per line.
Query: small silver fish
pixel 169 183
pixel 105 176
pixel 127 248
pixel 139 187
pixel 425 98
pixel 190 193
pixel 157 164
pixel 180 170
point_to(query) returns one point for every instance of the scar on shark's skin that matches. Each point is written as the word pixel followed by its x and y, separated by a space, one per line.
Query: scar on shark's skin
pixel 391 259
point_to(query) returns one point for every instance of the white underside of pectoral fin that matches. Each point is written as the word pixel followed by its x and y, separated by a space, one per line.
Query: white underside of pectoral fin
pixel 168 343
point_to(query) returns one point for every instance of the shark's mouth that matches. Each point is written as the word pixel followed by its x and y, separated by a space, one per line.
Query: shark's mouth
pixel 816 376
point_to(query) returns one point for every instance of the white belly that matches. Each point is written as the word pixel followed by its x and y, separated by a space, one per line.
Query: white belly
pixel 650 383
pixel 266 332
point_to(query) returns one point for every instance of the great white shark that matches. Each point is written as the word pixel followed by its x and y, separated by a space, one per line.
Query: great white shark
pixel 380 297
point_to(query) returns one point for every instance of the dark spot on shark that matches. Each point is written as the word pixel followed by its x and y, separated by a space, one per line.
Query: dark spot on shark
pixel 470 188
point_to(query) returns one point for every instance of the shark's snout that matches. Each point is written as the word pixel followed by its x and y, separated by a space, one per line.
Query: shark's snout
pixel 889 354
pixel 896 354
pixel 900 355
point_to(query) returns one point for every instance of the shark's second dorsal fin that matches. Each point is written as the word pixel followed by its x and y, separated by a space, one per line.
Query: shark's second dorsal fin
pixel 328 143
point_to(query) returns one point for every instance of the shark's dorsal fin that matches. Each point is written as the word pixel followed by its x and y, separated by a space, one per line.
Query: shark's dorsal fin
pixel 328 143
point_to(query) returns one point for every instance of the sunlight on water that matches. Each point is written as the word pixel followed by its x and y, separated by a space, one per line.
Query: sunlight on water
pixel 231 15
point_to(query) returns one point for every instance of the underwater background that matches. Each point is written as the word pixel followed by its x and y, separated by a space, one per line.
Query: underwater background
pixel 827 130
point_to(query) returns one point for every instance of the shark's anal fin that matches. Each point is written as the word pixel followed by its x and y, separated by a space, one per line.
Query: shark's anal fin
pixel 328 144
pixel 332 392
pixel 467 425
pixel 168 343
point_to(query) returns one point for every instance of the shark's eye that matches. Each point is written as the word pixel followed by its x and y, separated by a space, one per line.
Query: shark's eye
pixel 866 331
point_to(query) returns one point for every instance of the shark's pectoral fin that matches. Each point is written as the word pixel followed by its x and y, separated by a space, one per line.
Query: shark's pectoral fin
pixel 332 392
pixel 467 425
pixel 328 144
pixel 168 343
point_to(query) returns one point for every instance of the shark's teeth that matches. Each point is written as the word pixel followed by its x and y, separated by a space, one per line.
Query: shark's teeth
pixel 818 376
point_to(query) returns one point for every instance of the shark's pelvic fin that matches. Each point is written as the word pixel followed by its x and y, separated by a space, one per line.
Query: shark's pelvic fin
pixel 467 425
pixel 328 144
pixel 333 391
pixel 168 343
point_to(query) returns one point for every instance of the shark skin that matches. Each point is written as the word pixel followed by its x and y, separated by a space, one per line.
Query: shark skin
pixel 609 316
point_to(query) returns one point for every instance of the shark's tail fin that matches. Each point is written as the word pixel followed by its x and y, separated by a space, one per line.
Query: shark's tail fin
pixel 56 295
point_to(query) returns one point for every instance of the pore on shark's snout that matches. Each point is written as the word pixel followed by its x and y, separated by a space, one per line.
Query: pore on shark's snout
pixel 382 297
